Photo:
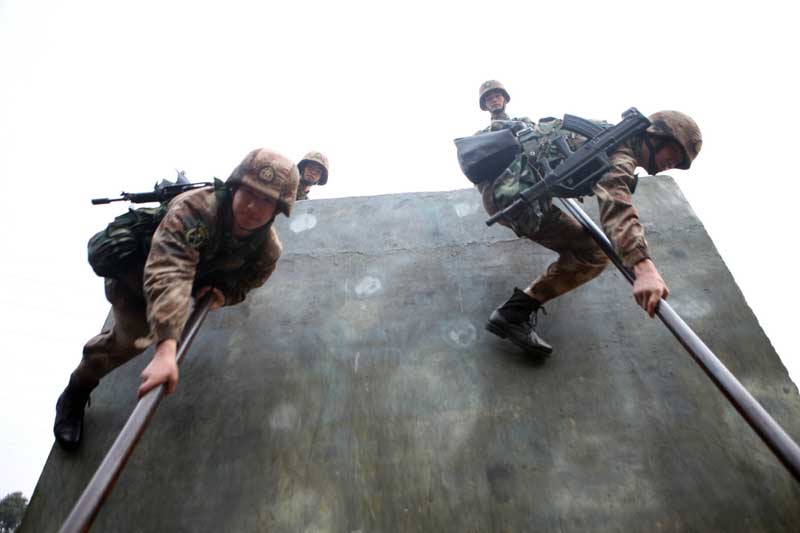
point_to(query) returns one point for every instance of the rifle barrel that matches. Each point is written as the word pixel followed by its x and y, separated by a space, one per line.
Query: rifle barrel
pixel 82 516
pixel 773 435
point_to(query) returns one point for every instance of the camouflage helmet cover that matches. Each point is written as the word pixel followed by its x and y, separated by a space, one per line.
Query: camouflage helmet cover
pixel 269 173
pixel 489 86
pixel 680 128
pixel 320 159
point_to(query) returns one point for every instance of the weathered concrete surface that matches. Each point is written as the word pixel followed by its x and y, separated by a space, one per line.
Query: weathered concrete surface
pixel 358 391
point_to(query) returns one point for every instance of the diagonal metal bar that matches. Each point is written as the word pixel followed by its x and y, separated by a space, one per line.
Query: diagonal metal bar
pixel 773 435
pixel 84 512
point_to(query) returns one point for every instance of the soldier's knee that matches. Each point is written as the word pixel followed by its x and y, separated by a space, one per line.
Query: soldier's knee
pixel 587 268
pixel 594 259
pixel 596 265
pixel 111 344
pixel 99 344
pixel 94 363
pixel 594 272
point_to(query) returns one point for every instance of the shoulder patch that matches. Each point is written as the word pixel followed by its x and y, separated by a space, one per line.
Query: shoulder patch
pixel 196 236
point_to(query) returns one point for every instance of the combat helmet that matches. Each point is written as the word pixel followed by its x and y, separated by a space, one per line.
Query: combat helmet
pixel 320 159
pixel 682 129
pixel 269 173
pixel 486 88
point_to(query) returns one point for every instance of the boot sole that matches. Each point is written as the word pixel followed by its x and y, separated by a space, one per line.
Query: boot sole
pixel 68 445
pixel 495 330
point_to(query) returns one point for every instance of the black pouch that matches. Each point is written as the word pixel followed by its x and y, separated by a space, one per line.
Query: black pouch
pixel 486 155
pixel 125 242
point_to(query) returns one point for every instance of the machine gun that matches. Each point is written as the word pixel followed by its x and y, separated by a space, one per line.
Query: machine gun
pixel 162 192
pixel 580 170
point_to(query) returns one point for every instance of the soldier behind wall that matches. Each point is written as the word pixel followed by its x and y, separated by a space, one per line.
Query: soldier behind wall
pixel 493 97
pixel 313 171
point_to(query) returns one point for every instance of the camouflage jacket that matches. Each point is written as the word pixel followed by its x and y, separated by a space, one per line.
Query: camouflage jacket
pixel 302 192
pixel 504 116
pixel 193 246
pixel 486 187
pixel 618 216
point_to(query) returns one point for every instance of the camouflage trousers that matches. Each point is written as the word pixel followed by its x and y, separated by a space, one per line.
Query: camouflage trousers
pixel 116 345
pixel 580 259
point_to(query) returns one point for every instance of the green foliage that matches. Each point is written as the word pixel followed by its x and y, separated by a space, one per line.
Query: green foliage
pixel 12 509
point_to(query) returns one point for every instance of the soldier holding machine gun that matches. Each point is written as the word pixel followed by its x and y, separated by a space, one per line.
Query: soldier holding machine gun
pixel 672 140
pixel 213 237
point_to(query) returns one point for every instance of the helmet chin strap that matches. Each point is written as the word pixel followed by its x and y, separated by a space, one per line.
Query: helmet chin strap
pixel 652 169
pixel 498 111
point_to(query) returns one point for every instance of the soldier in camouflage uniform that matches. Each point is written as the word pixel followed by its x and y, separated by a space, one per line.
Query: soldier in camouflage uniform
pixel 217 239
pixel 672 141
pixel 493 97
pixel 313 171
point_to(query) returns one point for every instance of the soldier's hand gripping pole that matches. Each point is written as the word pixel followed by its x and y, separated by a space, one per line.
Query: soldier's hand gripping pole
pixel 83 514
pixel 773 435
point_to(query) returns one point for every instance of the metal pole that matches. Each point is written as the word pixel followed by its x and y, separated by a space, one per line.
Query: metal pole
pixel 82 516
pixel 773 435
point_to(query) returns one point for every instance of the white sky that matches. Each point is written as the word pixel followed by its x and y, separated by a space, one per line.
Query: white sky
pixel 98 97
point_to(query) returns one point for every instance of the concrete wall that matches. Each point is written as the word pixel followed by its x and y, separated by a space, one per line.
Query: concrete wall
pixel 359 392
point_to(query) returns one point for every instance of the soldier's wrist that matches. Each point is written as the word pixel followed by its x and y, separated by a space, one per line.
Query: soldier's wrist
pixel 166 350
pixel 637 256
pixel 646 265
pixel 166 333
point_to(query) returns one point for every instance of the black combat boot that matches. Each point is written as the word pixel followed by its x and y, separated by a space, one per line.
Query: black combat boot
pixel 69 415
pixel 515 320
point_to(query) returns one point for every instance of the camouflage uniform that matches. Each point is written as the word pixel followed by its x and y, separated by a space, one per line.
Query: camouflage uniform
pixel 305 186
pixel 580 259
pixel 302 192
pixel 192 246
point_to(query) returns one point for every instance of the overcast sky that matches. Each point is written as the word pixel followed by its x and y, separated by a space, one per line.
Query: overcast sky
pixel 98 97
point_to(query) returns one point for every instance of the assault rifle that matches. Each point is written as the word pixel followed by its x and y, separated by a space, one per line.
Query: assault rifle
pixel 162 192
pixel 580 170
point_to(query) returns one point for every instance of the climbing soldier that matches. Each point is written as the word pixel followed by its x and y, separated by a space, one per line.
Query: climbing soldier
pixel 313 171
pixel 216 239
pixel 672 140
